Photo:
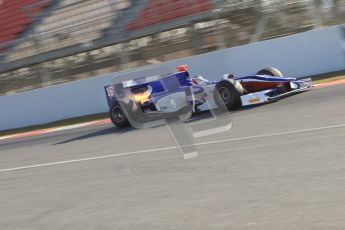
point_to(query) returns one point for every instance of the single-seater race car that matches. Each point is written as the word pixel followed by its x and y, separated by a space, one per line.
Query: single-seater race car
pixel 177 93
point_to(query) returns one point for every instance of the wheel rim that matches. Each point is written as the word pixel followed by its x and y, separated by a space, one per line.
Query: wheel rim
pixel 224 95
pixel 117 114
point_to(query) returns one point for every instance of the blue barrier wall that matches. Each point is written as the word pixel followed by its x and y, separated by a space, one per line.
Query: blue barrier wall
pixel 299 55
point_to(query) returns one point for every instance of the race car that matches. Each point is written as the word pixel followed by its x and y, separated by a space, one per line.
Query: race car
pixel 156 97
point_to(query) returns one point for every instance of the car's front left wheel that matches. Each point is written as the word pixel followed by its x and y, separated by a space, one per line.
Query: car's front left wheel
pixel 227 94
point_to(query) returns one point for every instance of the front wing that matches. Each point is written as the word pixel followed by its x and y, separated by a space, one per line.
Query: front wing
pixel 264 96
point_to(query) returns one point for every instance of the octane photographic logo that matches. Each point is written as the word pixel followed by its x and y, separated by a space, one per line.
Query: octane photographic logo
pixel 156 96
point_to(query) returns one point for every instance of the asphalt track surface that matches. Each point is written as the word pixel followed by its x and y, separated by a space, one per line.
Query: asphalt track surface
pixel 281 166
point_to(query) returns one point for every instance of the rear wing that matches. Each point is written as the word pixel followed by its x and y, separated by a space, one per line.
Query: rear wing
pixel 110 95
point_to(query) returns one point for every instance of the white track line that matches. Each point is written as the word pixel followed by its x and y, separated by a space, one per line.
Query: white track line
pixel 55 129
pixel 6 137
pixel 84 159
pixel 172 147
pixel 274 134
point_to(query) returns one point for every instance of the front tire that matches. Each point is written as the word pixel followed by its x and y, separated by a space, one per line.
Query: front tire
pixel 271 71
pixel 274 72
pixel 118 117
pixel 227 94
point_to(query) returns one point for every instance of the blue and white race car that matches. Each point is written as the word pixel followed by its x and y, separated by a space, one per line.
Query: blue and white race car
pixel 147 99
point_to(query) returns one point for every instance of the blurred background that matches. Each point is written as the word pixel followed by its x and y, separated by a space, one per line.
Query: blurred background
pixel 46 42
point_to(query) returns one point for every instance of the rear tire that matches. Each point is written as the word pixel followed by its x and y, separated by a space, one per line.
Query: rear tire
pixel 227 94
pixel 118 117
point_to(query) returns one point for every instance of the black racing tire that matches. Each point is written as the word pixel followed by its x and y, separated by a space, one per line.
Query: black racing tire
pixel 271 71
pixel 274 72
pixel 227 94
pixel 117 116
